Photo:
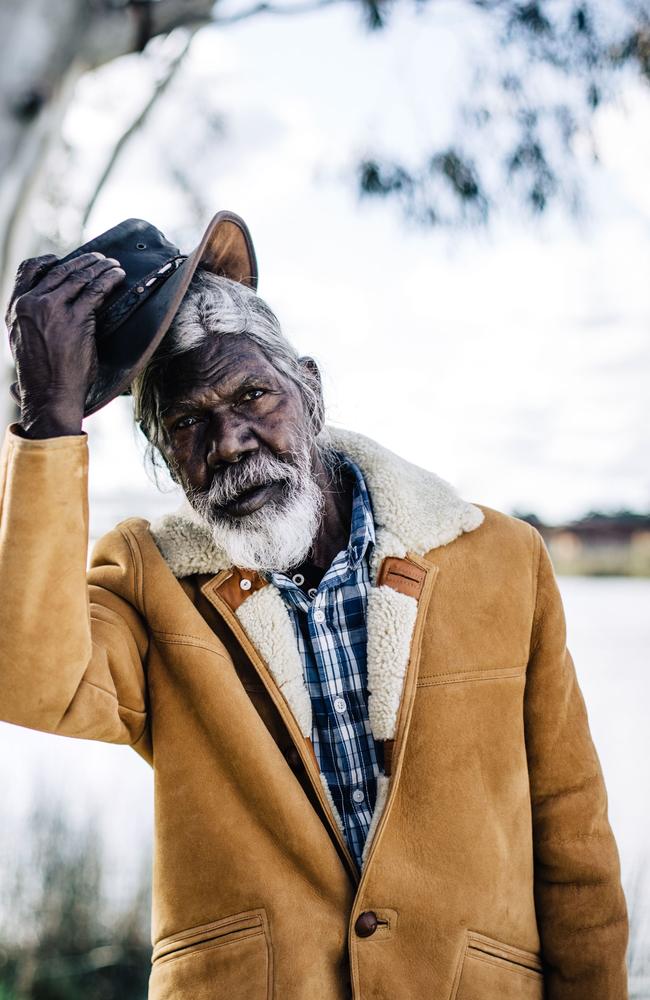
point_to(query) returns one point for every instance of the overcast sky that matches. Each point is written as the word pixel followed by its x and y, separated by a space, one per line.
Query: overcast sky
pixel 514 362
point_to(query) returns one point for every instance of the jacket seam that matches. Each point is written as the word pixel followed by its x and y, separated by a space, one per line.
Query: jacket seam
pixel 111 694
pixel 536 566
pixel 493 674
pixel 136 559
pixel 541 799
pixel 498 962
pixel 178 639
pixel 163 633
pixel 580 884
pixel 112 611
pixel 193 951
pixel 483 942
pixel 213 925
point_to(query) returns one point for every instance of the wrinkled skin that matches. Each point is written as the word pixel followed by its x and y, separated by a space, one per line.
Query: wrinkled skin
pixel 223 402
pixel 220 402
pixel 51 323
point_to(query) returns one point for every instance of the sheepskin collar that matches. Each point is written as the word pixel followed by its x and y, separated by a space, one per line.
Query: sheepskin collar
pixel 415 511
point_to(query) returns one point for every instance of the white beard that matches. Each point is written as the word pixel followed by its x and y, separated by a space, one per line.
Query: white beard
pixel 276 537
pixel 279 535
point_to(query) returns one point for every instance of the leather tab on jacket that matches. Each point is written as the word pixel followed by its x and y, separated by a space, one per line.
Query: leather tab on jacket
pixel 235 585
pixel 402 575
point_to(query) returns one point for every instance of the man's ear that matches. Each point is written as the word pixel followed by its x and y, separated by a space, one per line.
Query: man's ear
pixel 307 362
pixel 317 414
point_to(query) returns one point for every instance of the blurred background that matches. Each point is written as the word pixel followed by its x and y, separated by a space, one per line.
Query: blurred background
pixel 451 210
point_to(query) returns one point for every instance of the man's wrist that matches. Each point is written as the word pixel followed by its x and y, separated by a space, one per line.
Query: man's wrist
pixel 51 425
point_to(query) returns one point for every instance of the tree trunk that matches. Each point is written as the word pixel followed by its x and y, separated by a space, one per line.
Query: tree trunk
pixel 44 47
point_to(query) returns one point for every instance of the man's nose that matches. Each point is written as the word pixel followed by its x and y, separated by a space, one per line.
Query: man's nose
pixel 229 441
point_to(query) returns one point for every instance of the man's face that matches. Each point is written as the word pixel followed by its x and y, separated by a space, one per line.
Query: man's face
pixel 238 440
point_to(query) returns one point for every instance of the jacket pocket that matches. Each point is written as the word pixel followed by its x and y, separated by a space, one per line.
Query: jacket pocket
pixel 490 970
pixel 228 959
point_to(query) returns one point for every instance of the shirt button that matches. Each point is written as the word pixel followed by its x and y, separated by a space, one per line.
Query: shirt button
pixel 245 584
pixel 340 705
pixel 358 795
pixel 298 579
pixel 319 616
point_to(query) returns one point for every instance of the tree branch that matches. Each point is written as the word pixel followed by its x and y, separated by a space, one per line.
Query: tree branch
pixel 282 10
pixel 115 32
pixel 138 122
pixel 260 8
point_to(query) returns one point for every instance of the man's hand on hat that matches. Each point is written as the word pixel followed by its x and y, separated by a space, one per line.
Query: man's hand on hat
pixel 51 323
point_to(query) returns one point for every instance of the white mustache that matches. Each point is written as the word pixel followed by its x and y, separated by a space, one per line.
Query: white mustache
pixel 260 469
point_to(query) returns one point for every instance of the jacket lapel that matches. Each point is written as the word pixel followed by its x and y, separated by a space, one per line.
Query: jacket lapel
pixel 397 607
pixel 259 620
pixel 266 621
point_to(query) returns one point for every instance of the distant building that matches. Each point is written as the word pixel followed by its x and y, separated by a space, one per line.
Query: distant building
pixel 598 544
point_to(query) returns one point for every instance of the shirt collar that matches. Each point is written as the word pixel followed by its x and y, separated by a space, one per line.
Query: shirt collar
pixel 362 527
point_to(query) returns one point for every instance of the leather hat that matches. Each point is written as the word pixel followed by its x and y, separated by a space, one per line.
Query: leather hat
pixel 135 317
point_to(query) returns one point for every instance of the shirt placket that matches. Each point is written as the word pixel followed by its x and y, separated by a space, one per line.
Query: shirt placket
pixel 345 749
pixel 341 718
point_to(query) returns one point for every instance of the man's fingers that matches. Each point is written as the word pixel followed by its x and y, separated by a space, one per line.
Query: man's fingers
pixel 31 271
pixel 29 274
pixel 76 282
pixel 82 290
pixel 70 269
pixel 95 291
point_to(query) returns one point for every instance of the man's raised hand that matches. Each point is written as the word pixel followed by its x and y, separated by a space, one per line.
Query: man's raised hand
pixel 51 322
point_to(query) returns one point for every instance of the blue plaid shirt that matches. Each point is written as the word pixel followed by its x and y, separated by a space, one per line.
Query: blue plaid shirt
pixel 330 627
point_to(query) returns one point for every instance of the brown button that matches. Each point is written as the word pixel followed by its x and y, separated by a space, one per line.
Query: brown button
pixel 366 924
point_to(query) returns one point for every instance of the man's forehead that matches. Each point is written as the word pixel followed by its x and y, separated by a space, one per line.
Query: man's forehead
pixel 216 365
pixel 226 351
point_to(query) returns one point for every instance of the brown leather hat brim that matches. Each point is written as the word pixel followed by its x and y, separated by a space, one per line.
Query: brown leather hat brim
pixel 226 249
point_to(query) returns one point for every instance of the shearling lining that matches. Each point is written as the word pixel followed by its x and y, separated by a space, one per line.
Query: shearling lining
pixel 415 511
pixel 390 623
pixel 266 620
pixel 383 782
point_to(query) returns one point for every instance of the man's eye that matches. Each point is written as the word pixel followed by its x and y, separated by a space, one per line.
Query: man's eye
pixel 185 422
pixel 250 394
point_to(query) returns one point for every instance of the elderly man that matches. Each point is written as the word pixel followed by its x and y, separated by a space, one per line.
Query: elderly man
pixel 373 770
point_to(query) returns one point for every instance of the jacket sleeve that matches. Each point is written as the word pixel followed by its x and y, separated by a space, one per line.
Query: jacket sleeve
pixel 71 648
pixel 579 900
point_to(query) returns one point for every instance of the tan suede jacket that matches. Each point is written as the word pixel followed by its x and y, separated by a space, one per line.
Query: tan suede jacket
pixel 490 871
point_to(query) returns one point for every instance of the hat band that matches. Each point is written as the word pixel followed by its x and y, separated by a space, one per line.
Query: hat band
pixel 113 316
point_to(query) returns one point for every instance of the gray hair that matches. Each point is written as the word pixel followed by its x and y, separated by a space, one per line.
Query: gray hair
pixel 216 306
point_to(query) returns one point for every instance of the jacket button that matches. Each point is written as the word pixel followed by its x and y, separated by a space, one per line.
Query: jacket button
pixel 366 924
